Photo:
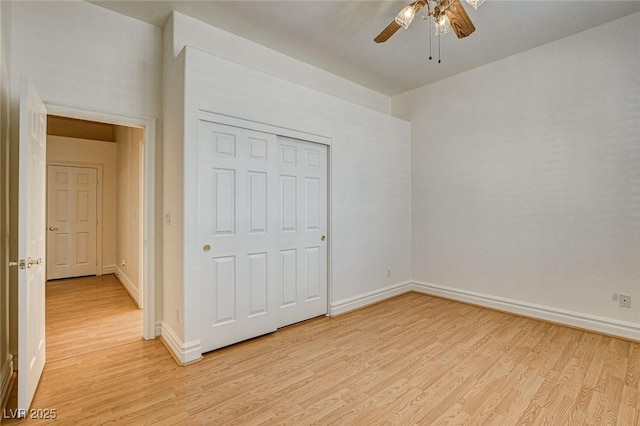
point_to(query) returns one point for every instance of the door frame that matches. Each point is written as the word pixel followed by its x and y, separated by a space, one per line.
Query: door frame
pixel 98 168
pixel 148 243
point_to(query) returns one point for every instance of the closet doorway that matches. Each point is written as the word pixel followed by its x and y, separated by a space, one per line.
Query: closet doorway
pixel 263 222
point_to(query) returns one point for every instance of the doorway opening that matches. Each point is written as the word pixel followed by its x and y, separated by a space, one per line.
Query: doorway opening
pixel 33 229
pixel 146 195
pixel 95 257
pixel 95 192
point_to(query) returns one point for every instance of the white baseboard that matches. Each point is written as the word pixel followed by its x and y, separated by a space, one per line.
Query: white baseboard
pixel 6 378
pixel 547 313
pixel 184 353
pixel 128 286
pixel 109 269
pixel 576 319
pixel 351 303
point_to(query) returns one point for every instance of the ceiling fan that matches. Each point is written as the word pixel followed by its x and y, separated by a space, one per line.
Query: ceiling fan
pixel 447 15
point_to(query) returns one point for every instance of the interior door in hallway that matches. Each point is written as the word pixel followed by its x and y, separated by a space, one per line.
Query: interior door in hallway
pixel 302 227
pixel 71 221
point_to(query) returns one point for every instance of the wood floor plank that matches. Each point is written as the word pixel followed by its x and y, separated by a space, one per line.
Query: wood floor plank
pixel 413 359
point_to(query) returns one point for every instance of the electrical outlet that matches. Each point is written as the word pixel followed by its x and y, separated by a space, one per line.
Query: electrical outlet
pixel 624 300
pixel 167 218
pixel 388 272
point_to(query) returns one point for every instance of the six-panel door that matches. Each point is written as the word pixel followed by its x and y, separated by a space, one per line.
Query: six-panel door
pixel 71 221
pixel 261 217
pixel 303 223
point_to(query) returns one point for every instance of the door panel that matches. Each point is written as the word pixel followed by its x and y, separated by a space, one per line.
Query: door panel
pixel 72 221
pixel 258 202
pixel 31 244
pixel 258 283
pixel 289 205
pixel 289 276
pixel 237 220
pixel 224 281
pixel 303 173
pixel 313 272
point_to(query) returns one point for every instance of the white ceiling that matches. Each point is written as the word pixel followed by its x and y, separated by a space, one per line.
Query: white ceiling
pixel 337 36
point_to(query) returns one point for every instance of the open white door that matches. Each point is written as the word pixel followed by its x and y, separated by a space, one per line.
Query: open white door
pixel 31 244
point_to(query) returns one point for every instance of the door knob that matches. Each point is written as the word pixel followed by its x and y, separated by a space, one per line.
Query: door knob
pixel 53 228
pixel 323 238
pixel 206 248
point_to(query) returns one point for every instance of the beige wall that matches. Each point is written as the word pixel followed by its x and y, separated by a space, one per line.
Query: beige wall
pixel 86 151
pixel 128 210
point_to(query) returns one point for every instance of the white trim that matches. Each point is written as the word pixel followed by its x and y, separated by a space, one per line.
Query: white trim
pixel 109 269
pixel 330 290
pixel 355 302
pixel 149 231
pixel 6 378
pixel 183 352
pixel 128 286
pixel 595 323
pixel 262 127
pixel 141 200
pixel 149 211
pixel 576 319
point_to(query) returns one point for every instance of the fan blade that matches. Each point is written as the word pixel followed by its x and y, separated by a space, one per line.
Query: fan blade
pixel 458 19
pixel 394 26
pixel 387 32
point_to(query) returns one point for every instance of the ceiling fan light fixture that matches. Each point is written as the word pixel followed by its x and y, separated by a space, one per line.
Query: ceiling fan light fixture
pixel 475 3
pixel 406 15
pixel 442 25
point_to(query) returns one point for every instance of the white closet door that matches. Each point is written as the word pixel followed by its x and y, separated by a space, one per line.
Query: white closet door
pixel 238 229
pixel 303 230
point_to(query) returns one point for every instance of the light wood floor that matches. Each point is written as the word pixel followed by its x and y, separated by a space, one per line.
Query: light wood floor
pixel 413 359
pixel 89 314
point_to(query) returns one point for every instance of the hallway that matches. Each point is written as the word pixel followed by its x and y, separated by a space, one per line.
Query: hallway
pixel 89 314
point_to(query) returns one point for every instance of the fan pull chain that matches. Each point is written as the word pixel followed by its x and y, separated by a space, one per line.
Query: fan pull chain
pixel 430 57
pixel 439 49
